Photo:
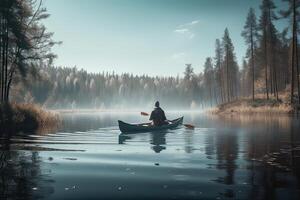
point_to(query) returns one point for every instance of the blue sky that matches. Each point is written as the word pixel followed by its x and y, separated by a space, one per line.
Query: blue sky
pixel 155 37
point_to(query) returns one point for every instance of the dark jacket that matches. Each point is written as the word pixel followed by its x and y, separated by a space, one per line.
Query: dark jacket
pixel 158 116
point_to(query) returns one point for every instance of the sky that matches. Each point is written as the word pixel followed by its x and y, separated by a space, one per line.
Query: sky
pixel 154 37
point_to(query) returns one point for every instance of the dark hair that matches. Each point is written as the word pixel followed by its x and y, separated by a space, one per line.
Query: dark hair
pixel 157 104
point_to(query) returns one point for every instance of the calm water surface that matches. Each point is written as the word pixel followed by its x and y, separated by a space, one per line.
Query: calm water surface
pixel 250 157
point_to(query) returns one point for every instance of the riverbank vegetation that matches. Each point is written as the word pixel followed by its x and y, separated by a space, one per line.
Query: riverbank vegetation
pixel 25 118
pixel 248 106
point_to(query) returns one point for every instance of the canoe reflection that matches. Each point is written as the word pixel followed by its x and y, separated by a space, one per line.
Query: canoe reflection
pixel 123 138
pixel 157 140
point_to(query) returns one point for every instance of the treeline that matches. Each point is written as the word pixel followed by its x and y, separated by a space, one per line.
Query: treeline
pixel 271 63
pixel 58 87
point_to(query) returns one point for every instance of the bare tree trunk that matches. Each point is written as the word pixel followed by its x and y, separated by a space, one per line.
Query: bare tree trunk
pixel 297 65
pixel 227 76
pixel 6 64
pixel 293 50
pixel 219 80
pixel 252 63
pixel 292 71
pixel 8 88
pixel 3 60
pixel 296 47
pixel 275 83
pixel 271 75
pixel 270 49
pixel 274 73
pixel 266 63
pixel 222 84
pixel 210 94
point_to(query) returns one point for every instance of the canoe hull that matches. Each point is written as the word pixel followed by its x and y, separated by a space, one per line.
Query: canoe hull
pixel 139 128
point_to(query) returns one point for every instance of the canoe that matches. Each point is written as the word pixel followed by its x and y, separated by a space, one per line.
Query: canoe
pixel 148 127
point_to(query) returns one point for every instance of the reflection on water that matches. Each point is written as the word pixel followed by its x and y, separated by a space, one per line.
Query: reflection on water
pixel 249 157
pixel 158 140
pixel 21 176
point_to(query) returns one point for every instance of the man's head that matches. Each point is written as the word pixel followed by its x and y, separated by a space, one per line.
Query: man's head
pixel 157 104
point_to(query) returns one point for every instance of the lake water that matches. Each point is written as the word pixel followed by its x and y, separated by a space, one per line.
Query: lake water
pixel 249 157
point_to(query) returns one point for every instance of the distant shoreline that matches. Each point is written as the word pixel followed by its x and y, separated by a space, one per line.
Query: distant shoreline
pixel 70 111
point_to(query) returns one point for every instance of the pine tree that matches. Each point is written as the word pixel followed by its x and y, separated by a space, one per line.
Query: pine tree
pixel 293 13
pixel 244 79
pixel 218 69
pixel 230 67
pixel 250 34
pixel 209 78
pixel 268 45
pixel 189 72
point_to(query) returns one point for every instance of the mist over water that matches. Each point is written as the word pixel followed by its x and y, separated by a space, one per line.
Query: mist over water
pixel 249 157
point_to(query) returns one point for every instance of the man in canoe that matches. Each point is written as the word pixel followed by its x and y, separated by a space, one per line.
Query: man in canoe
pixel 158 116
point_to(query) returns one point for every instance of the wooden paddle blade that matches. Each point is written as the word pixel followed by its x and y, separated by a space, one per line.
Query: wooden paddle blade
pixel 144 114
pixel 189 126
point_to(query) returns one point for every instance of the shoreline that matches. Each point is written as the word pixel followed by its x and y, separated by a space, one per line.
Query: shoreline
pixel 258 106
pixel 16 118
pixel 70 111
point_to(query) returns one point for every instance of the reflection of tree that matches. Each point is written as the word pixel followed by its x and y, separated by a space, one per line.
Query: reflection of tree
pixel 188 141
pixel 295 146
pixel 210 145
pixel 227 150
pixel 21 176
pixel 261 176
pixel 271 157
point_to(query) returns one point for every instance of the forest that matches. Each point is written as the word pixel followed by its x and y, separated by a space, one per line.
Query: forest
pixel 269 71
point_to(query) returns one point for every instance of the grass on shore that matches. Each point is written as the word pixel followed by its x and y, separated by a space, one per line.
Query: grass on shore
pixel 260 105
pixel 248 106
pixel 25 117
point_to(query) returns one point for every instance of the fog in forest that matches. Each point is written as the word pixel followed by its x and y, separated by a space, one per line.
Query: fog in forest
pixel 72 88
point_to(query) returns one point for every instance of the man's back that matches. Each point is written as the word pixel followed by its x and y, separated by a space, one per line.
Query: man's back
pixel 158 116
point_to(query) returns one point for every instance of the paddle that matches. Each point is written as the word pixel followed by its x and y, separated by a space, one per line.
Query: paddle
pixel 144 114
pixel 189 126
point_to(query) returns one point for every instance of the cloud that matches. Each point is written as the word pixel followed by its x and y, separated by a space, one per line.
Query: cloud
pixel 182 31
pixel 194 22
pixel 187 29
pixel 185 32
pixel 190 24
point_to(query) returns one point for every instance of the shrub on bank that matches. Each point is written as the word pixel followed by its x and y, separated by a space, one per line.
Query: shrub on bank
pixel 25 117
